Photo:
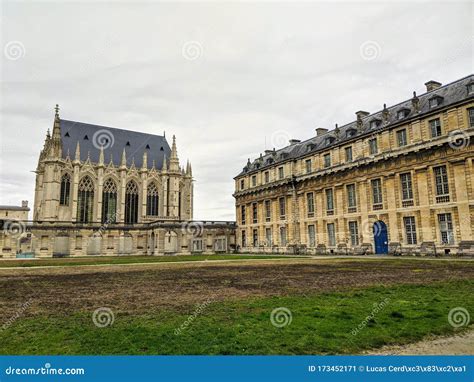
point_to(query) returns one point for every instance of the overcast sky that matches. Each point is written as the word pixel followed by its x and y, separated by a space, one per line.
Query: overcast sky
pixel 228 79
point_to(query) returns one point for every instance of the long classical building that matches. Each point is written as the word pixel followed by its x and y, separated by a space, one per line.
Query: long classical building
pixel 107 191
pixel 400 181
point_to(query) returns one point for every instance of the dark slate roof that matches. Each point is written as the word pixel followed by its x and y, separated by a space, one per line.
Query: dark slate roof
pixel 450 93
pixel 92 137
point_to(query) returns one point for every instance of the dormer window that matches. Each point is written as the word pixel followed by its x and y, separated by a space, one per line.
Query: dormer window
pixel 403 113
pixel 67 135
pixel 375 123
pixel 435 101
pixel 127 144
pixel 470 87
pixel 329 140
pixel 351 133
pixel 310 147
pixel 86 138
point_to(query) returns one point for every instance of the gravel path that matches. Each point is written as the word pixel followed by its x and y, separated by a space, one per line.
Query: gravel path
pixel 459 344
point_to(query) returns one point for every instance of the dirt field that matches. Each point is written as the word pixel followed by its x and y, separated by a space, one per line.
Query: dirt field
pixel 147 288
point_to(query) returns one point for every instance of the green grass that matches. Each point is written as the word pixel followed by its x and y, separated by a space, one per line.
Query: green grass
pixel 321 324
pixel 74 261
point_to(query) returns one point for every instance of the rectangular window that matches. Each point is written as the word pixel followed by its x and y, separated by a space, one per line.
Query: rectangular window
pixel 442 187
pixel 242 214
pixel 348 151
pixel 310 204
pixel 446 229
pixel 254 180
pixel 373 146
pixel 242 184
pixel 268 236
pixel 268 210
pixel 281 173
pixel 282 205
pixel 327 160
pixel 331 235
pixel 402 138
pixel 283 236
pixel 406 184
pixel 471 117
pixel 311 236
pixel 244 241
pixel 354 233
pixel 410 229
pixel 254 213
pixel 435 127
pixel 351 197
pixel 329 202
pixel 255 238
pixel 267 177
pixel 377 193
pixel 308 164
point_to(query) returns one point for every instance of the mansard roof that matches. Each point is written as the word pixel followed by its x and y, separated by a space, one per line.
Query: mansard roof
pixel 92 137
pixel 450 93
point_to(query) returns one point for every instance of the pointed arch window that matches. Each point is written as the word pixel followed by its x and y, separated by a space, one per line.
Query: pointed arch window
pixel 85 200
pixel 131 203
pixel 152 200
pixel 109 202
pixel 65 190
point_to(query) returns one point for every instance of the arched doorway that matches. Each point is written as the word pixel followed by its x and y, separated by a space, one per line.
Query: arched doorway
pixel 380 237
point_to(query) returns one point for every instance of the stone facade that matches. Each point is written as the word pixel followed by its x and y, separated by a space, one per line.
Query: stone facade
pixel 397 181
pixel 140 201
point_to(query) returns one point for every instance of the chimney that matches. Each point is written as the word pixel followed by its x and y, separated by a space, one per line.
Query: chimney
pixel 362 114
pixel 294 141
pixel 432 85
pixel 24 203
pixel 321 131
pixel 268 152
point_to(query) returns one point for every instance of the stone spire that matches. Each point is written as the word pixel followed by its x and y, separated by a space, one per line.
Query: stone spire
pixel 164 167
pixel 145 160
pixel 188 168
pixel 101 156
pixel 77 157
pixel 174 161
pixel 415 101
pixel 124 159
pixel 55 146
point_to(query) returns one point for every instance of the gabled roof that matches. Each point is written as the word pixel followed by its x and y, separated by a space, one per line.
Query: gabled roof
pixel 92 137
pixel 451 94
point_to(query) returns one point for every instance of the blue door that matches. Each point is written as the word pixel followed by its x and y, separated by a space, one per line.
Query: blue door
pixel 380 237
